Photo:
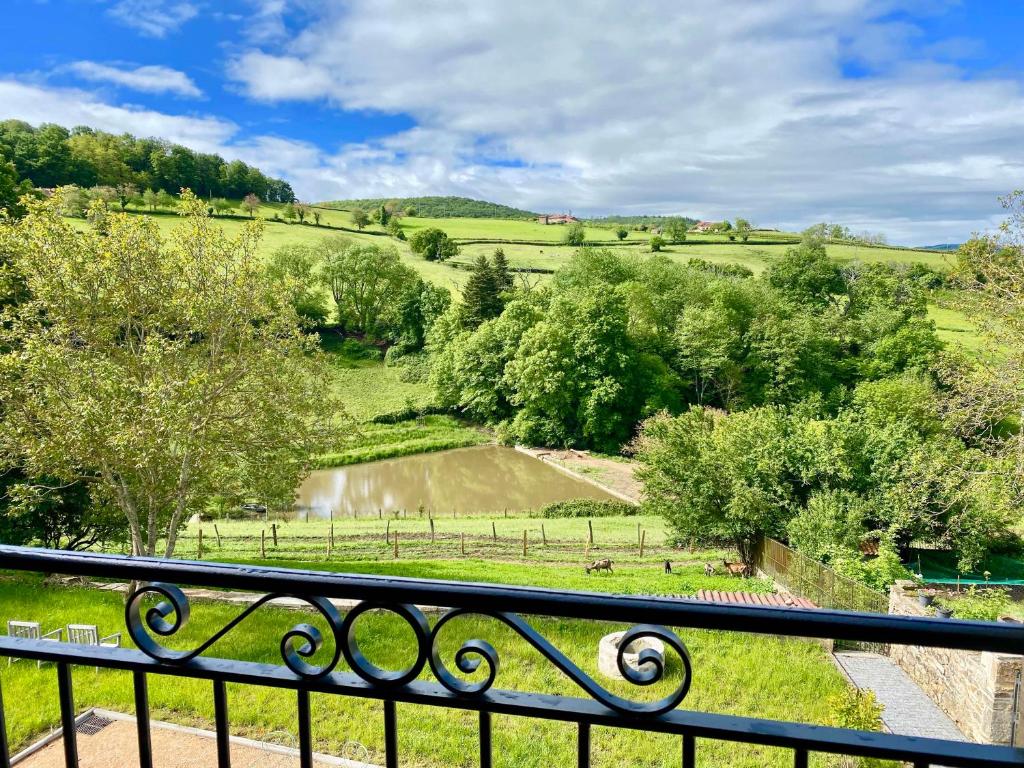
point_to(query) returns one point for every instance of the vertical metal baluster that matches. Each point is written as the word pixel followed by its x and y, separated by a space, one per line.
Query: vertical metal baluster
pixel 390 735
pixel 305 736
pixel 142 720
pixel 67 715
pixel 485 739
pixel 220 708
pixel 583 746
pixel 800 758
pixel 689 751
pixel 5 752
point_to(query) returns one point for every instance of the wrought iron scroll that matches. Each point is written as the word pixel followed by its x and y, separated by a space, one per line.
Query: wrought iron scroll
pixel 303 641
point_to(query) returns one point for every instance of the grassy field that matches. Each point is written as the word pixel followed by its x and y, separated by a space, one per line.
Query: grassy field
pixel 733 674
pixel 494 537
pixel 503 229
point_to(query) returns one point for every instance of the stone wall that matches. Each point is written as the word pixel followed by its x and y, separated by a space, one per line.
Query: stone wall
pixel 974 688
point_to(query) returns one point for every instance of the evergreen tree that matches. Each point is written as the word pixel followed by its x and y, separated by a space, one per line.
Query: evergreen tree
pixel 383 216
pixel 502 273
pixel 481 299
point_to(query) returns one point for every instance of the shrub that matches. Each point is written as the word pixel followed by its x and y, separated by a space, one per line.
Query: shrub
pixel 860 711
pixel 589 508
pixel 657 243
pixel 979 605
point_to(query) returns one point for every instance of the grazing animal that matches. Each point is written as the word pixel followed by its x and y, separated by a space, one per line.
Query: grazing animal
pixel 709 569
pixel 668 567
pixel 737 569
pixel 599 565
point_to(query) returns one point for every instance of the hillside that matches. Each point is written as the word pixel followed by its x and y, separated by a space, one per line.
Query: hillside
pixel 636 221
pixel 438 207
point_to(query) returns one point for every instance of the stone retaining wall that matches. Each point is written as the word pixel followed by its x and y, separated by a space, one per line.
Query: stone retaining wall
pixel 974 688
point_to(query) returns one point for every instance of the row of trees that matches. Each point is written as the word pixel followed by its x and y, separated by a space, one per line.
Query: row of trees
pixel 52 156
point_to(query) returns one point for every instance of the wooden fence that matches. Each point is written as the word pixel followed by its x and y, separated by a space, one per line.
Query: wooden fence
pixel 815 581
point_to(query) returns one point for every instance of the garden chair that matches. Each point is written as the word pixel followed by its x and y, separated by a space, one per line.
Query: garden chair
pixel 31 630
pixel 89 634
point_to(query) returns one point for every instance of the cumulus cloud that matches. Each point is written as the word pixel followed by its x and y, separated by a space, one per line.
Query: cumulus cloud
pixel 712 107
pixel 153 19
pixel 150 79
pixel 70 107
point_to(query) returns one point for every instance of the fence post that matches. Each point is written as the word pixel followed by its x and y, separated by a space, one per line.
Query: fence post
pixel 431 530
pixel 263 542
pixel 590 527
pixel 494 531
pixel 380 513
pixel 524 542
pixel 543 534
pixel 330 541
pixel 638 534
pixel 643 540
pixel 199 550
pixel 273 529
pixel 396 545
pixel 217 534
pixel 387 532
pixel 463 542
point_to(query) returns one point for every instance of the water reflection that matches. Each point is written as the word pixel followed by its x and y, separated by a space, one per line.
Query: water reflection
pixel 487 478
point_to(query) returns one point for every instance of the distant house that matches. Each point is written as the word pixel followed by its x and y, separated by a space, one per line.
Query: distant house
pixel 706 226
pixel 557 218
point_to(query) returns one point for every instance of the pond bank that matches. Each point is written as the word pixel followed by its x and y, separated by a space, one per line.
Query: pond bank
pixel 611 475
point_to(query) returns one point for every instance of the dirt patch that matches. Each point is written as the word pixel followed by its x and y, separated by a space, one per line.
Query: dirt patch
pixel 615 475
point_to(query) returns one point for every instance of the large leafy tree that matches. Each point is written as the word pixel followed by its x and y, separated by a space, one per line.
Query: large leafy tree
pixel 433 244
pixel 169 368
pixel 366 281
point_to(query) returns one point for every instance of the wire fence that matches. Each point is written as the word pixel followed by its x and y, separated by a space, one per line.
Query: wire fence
pixel 815 581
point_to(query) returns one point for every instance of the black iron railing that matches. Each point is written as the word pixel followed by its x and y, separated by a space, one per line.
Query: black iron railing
pixel 301 647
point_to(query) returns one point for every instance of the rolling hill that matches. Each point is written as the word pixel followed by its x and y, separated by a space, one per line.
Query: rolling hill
pixel 438 207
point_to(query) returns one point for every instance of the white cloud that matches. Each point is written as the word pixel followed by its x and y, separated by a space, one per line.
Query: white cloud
pixel 153 18
pixel 150 79
pixel 70 107
pixel 712 107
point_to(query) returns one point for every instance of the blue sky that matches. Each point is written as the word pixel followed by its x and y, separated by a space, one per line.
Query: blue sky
pixel 899 117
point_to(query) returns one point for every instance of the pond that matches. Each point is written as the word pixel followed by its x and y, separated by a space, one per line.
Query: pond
pixel 487 478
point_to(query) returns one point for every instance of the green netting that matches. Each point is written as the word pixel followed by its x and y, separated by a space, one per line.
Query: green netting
pixel 940 568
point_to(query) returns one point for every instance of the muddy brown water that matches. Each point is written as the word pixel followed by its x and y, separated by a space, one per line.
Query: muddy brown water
pixel 488 478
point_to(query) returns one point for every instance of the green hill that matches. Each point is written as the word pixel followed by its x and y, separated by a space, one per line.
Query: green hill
pixel 438 207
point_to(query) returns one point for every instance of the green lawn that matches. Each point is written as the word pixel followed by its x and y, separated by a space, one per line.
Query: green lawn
pixel 733 674
pixel 503 229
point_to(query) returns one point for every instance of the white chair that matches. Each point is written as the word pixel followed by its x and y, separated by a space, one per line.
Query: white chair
pixel 89 634
pixel 31 630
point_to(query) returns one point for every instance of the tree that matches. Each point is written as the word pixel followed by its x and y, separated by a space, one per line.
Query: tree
pixel 716 476
pixel 481 296
pixel 126 193
pixel 743 229
pixel 48 513
pixel 316 217
pixel 222 206
pixel 366 282
pixel 302 211
pixel 657 242
pixel 575 234
pixel 676 230
pixel 165 200
pixel 807 275
pixel 410 211
pixel 383 215
pixel 11 189
pixel 622 233
pixel 360 218
pixel 170 370
pixel 294 270
pixel 502 271
pixel 394 229
pixel 433 244
pixel 151 199
pixel 289 212
pixel 251 203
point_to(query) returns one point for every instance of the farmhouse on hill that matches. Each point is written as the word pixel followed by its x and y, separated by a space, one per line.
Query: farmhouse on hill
pixel 557 218
pixel 705 226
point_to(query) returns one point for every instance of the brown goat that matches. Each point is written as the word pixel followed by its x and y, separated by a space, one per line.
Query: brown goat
pixel 599 565
pixel 738 569
pixel 709 569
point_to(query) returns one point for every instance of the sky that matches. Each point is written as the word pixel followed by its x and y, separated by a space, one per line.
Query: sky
pixel 899 117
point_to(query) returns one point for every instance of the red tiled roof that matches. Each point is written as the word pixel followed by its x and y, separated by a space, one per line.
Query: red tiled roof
pixel 750 598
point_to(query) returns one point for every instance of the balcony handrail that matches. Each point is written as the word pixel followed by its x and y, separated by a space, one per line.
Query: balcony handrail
pixel 676 612
pixel 648 617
